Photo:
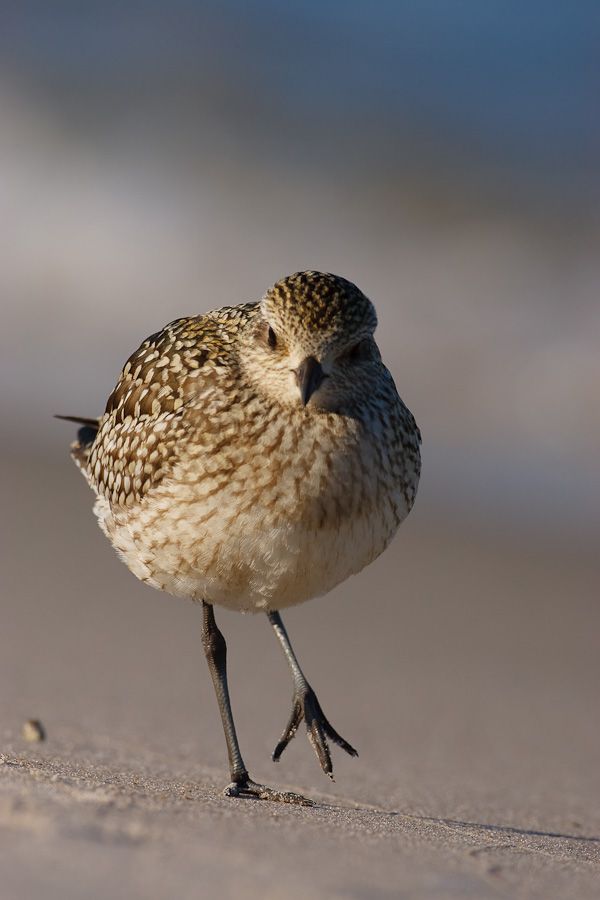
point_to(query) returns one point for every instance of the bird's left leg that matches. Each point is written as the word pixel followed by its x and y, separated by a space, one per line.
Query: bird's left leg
pixel 306 706
pixel 215 650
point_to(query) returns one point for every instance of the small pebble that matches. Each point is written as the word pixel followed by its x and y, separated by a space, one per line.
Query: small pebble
pixel 33 731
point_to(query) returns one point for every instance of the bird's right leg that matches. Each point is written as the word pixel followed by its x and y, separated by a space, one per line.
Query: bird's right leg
pixel 215 650
pixel 307 707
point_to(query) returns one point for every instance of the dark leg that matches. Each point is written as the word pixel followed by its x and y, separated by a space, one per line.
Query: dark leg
pixel 215 650
pixel 306 706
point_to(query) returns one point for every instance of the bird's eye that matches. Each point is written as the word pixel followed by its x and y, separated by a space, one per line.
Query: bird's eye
pixel 271 338
pixel 358 351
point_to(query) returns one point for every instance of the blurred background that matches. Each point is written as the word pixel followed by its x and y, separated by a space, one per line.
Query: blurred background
pixel 158 160
pixel 162 159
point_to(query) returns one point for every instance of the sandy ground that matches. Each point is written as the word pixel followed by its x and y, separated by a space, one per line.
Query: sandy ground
pixel 463 667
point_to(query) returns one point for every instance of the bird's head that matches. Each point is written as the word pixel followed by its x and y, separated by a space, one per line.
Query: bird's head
pixel 312 342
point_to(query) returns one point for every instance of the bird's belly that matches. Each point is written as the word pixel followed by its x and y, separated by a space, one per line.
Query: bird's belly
pixel 256 560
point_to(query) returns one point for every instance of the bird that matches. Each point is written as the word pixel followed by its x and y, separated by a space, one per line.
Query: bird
pixel 255 457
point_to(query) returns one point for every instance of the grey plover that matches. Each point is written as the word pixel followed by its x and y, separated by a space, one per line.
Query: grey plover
pixel 255 457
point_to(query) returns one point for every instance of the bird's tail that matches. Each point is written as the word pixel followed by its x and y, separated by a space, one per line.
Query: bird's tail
pixel 80 448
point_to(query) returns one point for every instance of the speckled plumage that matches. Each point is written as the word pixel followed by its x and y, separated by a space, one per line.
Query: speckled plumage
pixel 213 481
pixel 258 455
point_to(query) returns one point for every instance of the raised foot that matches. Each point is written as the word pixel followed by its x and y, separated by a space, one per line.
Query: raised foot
pixel 307 707
pixel 252 789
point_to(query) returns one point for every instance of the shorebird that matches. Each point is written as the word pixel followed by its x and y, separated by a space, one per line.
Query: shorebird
pixel 255 457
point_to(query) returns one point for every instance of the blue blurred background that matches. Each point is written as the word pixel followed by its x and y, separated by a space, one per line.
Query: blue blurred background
pixel 162 159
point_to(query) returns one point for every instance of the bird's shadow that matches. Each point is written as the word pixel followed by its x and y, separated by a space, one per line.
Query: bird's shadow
pixel 503 829
pixel 461 825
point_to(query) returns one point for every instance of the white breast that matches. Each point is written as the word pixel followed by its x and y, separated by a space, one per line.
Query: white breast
pixel 268 537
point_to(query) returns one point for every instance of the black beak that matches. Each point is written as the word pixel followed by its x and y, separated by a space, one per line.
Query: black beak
pixel 310 375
